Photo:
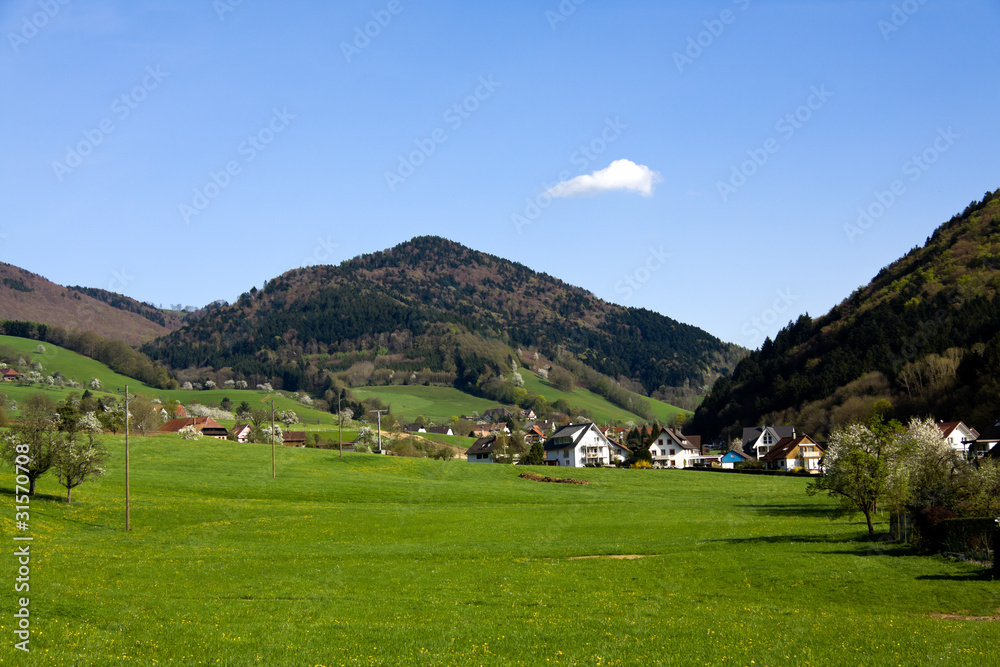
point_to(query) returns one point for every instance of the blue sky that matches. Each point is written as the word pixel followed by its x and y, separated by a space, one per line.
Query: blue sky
pixel 186 151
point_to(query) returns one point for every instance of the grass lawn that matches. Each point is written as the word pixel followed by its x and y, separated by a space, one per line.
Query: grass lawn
pixel 372 560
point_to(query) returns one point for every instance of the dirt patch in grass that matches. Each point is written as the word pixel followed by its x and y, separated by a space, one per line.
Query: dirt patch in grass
pixel 959 617
pixel 554 480
pixel 613 557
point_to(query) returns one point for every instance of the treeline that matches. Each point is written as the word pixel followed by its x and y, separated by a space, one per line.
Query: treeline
pixel 924 334
pixel 114 354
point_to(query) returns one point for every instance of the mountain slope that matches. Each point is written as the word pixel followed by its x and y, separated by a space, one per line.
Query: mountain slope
pixel 26 296
pixel 434 305
pixel 925 333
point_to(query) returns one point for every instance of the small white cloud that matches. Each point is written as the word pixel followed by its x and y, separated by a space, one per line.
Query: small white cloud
pixel 620 175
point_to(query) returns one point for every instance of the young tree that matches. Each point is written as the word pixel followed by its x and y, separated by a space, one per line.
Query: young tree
pixel 79 457
pixel 860 461
pixel 535 455
pixel 226 404
pixel 144 415
pixel 243 411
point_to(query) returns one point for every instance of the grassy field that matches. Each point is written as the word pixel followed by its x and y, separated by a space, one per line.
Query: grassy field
pixel 372 560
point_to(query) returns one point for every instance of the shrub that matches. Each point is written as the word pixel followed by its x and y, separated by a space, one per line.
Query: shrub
pixel 189 433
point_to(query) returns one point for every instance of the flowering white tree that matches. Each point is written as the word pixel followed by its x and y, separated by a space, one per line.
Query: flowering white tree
pixel 210 384
pixel 265 387
pixel 241 384
pixel 863 466
pixel 229 384
pixel 187 386
pixel 199 410
pixel 95 384
pixel 79 457
pixel 40 349
pixel 89 424
pixel 366 438
pixel 190 433
pixel 305 399
pixel 288 417
pixel 279 437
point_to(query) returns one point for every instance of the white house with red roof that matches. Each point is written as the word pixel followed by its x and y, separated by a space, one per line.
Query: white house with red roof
pixel 958 435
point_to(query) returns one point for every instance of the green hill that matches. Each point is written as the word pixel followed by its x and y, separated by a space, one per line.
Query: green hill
pixel 371 560
pixel 437 311
pixel 82 369
pixel 923 334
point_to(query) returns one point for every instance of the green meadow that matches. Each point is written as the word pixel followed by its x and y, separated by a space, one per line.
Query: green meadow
pixel 438 404
pixel 367 560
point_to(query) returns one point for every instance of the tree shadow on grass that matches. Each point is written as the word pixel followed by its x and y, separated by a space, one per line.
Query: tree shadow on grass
pixel 786 510
pixel 985 575
pixel 7 491
pixel 863 545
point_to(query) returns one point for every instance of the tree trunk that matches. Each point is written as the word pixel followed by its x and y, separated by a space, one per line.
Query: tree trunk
pixel 31 486
pixel 69 495
pixel 868 518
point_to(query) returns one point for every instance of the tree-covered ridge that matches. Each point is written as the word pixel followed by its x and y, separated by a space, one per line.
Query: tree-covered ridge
pixel 924 333
pixel 408 308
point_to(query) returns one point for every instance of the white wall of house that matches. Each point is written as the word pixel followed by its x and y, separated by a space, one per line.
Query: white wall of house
pixel 592 447
pixel 960 439
pixel 480 458
pixel 670 454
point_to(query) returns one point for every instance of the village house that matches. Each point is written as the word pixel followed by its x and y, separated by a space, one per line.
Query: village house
pixel 533 434
pixel 439 430
pixel 577 446
pixel 986 443
pixel 204 425
pixel 241 432
pixel 294 439
pixel 959 436
pixel 730 460
pixel 10 375
pixel 483 450
pixel 671 449
pixel 791 453
pixel 483 430
pixel 497 415
pixel 758 441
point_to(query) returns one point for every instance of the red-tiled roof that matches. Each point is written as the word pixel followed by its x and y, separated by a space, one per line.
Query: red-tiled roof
pixel 785 446
pixel 199 423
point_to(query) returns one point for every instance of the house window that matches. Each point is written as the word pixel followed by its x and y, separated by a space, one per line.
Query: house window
pixel 566 453
pixel 673 451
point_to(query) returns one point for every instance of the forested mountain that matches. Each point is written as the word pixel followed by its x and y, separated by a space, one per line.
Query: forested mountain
pixel 25 296
pixel 925 333
pixel 433 310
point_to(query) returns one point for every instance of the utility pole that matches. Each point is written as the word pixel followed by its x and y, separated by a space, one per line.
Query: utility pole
pixel 379 413
pixel 340 420
pixel 273 470
pixel 128 499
